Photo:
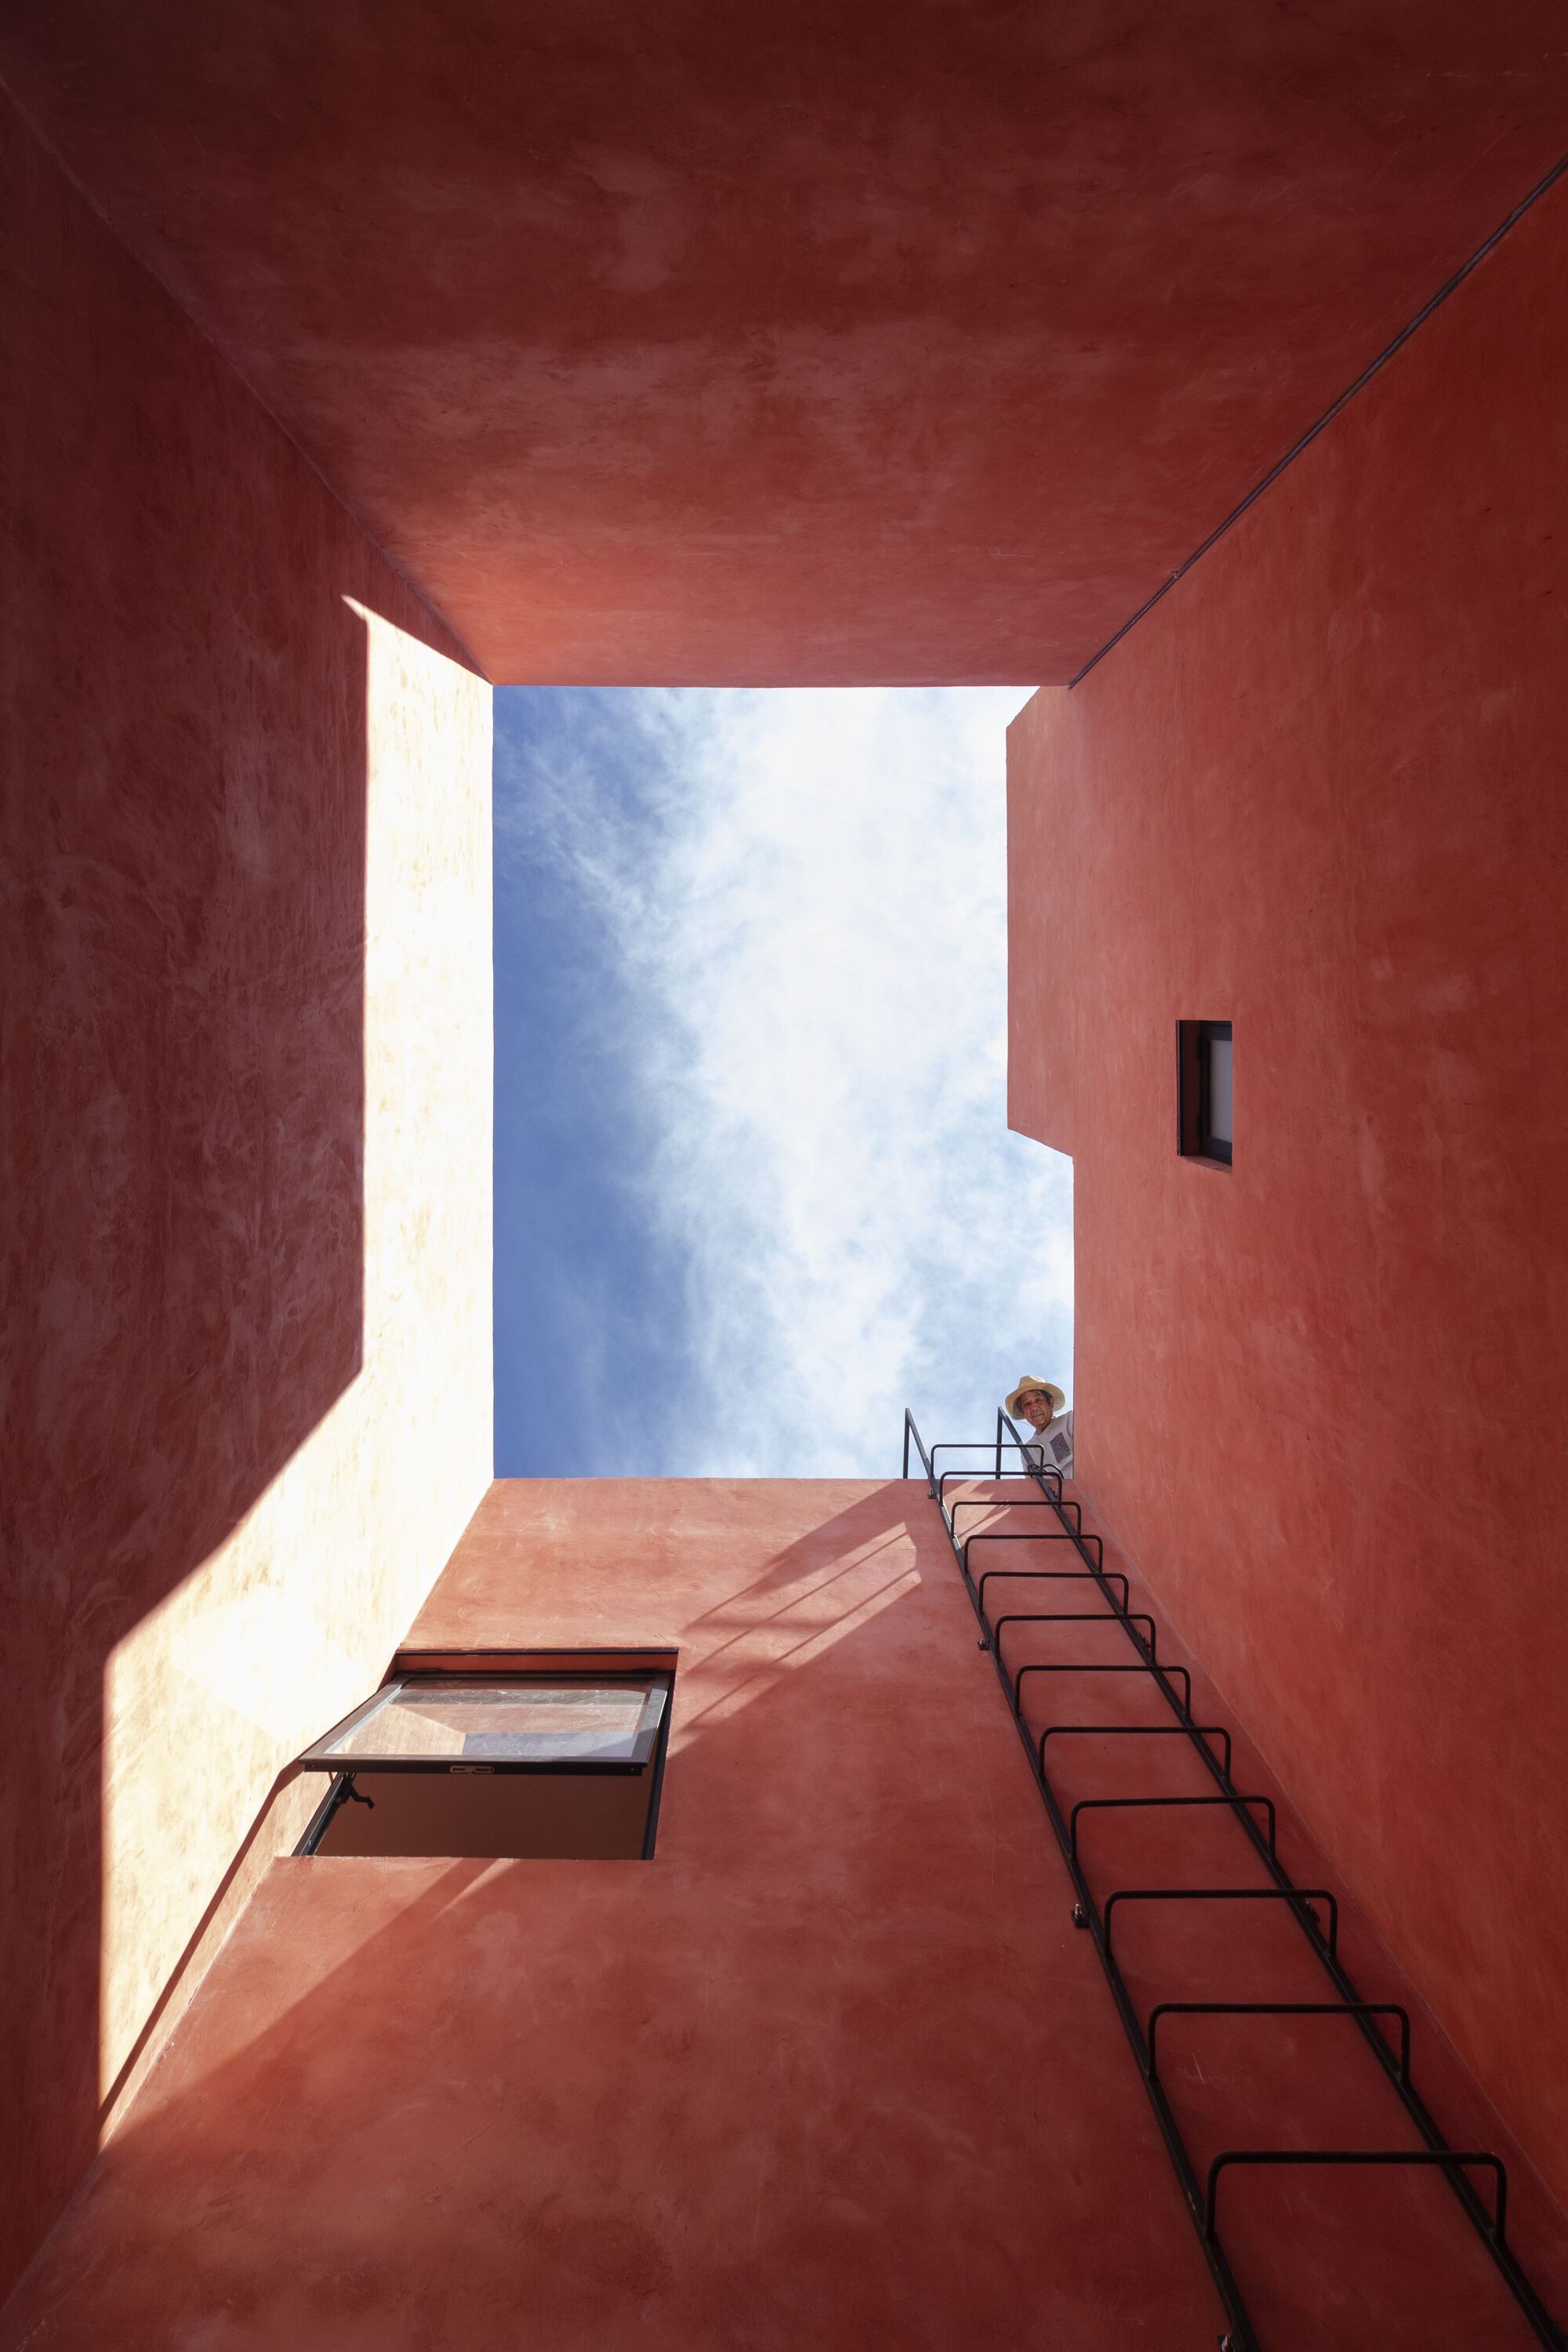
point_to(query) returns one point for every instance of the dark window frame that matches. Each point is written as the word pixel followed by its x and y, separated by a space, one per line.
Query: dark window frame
pixel 318 1757
pixel 1193 1137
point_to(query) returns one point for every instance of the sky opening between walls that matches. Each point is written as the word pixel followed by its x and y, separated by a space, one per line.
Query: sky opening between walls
pixel 754 1187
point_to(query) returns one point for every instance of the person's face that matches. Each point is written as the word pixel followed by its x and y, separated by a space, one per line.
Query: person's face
pixel 1035 1409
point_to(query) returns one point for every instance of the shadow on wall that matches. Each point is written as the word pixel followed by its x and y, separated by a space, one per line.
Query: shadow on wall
pixel 184 1114
pixel 182 1090
pixel 783 2069
pixel 609 2057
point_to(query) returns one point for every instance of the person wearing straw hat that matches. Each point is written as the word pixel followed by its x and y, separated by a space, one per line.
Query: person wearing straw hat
pixel 1038 1402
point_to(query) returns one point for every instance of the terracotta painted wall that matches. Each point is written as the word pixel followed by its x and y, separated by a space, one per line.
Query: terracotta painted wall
pixel 245 940
pixel 1321 791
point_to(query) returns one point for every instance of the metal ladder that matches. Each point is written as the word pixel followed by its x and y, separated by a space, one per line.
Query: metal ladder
pixel 1066 1515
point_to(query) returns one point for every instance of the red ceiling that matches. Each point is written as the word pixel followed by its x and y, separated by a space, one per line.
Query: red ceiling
pixel 809 342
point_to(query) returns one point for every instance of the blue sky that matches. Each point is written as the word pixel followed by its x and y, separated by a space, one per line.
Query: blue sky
pixel 754 1188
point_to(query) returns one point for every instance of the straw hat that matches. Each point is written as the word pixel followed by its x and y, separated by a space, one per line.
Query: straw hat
pixel 1047 1387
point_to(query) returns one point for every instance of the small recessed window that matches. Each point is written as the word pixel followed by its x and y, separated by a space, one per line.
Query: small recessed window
pixel 1204 1091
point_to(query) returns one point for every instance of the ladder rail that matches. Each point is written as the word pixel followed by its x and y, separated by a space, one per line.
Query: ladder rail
pixel 1198 2196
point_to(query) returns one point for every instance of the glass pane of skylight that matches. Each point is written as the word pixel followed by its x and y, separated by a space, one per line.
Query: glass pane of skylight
pixel 1219 1122
pixel 533 1723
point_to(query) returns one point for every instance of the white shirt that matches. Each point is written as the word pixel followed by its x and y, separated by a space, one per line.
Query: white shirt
pixel 1051 1448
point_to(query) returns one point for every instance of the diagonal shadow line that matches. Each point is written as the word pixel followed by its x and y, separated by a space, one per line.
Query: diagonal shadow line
pixel 762 1672
pixel 755 1624
pixel 289 1773
pixel 771 1573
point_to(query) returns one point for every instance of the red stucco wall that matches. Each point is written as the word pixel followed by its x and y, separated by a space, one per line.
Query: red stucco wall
pixel 804 345
pixel 834 2070
pixel 183 753
pixel 1319 790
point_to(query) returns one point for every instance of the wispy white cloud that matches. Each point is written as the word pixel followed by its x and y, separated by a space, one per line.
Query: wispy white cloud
pixel 811 912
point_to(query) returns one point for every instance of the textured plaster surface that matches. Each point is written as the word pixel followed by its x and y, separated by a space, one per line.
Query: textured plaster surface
pixel 835 2069
pixel 1320 792
pixel 797 345
pixel 245 1122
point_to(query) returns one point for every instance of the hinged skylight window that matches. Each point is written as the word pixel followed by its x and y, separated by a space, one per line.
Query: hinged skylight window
pixel 439 1721
pixel 564 1766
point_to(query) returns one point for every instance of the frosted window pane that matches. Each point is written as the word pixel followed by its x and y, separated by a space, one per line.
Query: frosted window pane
pixel 533 1723
pixel 1219 1090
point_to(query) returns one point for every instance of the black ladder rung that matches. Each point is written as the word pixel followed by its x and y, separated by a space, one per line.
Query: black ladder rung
pixel 1299 1898
pixel 1450 2158
pixel 1059 1576
pixel 1024 1503
pixel 1000 1534
pixel 1279 2009
pixel 1049 1502
pixel 1132 1804
pixel 1069 1617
